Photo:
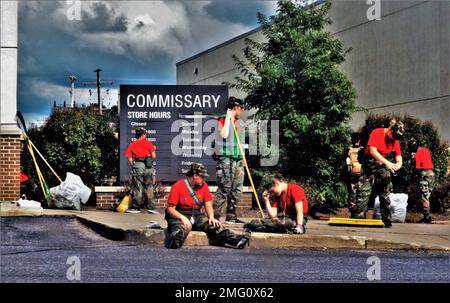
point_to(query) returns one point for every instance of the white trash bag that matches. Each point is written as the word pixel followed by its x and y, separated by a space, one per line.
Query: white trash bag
pixel 70 193
pixel 399 203
pixel 23 202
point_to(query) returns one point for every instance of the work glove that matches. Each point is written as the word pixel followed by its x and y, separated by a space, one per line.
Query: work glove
pixel 299 229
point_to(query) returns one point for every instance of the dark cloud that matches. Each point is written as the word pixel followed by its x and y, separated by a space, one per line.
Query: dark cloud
pixel 48 53
pixel 234 11
pixel 51 47
pixel 140 24
pixel 103 19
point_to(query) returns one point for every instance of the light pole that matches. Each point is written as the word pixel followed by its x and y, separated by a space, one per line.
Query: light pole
pixel 98 82
pixel 98 90
pixel 72 79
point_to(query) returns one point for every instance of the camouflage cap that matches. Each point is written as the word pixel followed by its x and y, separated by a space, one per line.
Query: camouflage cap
pixel 397 129
pixel 413 144
pixel 232 102
pixel 140 131
pixel 198 169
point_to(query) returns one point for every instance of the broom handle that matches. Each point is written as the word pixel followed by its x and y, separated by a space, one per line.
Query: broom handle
pixel 45 161
pixel 247 169
pixel 41 178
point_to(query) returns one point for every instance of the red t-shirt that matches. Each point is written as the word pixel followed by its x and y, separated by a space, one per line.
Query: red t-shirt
pixel 383 144
pixel 23 177
pixel 140 149
pixel 286 202
pixel 423 159
pixel 222 122
pixel 180 197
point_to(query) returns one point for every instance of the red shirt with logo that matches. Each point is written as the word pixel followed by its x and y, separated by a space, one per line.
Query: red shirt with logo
pixel 180 197
pixel 140 148
pixel 423 159
pixel 286 202
pixel 221 122
pixel 383 143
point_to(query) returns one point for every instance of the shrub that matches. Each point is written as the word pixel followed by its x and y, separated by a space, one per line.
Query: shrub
pixel 76 140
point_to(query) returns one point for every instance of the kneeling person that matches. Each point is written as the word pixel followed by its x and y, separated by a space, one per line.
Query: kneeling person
pixel 187 198
pixel 286 205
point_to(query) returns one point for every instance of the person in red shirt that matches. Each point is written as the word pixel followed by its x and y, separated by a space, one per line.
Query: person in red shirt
pixel 286 205
pixel 188 201
pixel 424 176
pixel 377 169
pixel 141 154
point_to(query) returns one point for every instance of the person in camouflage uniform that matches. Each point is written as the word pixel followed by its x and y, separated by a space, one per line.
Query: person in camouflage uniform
pixel 141 154
pixel 286 205
pixel 377 169
pixel 350 174
pixel 230 167
pixel 424 176
pixel 187 198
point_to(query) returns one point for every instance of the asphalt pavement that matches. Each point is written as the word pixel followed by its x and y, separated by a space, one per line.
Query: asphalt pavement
pixel 43 249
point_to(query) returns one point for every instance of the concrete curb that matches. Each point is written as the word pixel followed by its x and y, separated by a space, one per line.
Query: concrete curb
pixel 12 210
pixel 145 236
pixel 157 237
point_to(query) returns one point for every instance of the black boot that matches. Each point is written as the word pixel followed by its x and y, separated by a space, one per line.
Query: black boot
pixel 254 227
pixel 232 219
pixel 176 239
pixel 426 218
pixel 387 223
pixel 238 242
pixel 245 239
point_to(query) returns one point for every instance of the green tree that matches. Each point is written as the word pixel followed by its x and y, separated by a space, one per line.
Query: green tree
pixel 294 77
pixel 79 141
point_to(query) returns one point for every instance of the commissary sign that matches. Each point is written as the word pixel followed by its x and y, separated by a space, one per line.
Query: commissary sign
pixel 175 117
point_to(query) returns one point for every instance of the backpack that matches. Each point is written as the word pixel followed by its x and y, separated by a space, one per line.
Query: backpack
pixel 354 167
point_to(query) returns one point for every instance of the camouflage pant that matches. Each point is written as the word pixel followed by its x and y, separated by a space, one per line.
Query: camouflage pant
pixel 230 178
pixel 375 179
pixel 352 187
pixel 272 226
pixel 217 237
pixel 142 186
pixel 425 185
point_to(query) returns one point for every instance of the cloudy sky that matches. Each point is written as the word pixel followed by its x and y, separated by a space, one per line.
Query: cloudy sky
pixel 133 42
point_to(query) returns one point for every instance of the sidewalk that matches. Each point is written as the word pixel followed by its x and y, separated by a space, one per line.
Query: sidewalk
pixel 132 227
pixel 319 234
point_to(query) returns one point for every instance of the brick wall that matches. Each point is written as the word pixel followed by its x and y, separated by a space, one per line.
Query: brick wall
pixel 108 201
pixel 9 167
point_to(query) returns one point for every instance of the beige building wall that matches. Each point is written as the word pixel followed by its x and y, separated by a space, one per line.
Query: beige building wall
pixel 398 64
